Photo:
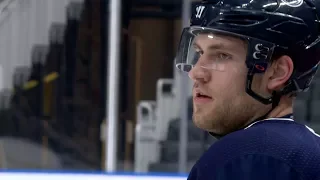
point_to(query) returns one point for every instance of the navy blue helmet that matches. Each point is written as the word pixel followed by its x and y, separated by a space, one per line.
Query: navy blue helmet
pixel 271 28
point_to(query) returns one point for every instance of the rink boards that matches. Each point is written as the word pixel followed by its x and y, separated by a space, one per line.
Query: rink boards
pixel 19 175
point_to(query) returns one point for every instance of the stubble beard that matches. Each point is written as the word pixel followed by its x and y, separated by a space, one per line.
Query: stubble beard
pixel 224 118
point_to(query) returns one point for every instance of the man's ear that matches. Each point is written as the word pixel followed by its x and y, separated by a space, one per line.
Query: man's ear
pixel 280 71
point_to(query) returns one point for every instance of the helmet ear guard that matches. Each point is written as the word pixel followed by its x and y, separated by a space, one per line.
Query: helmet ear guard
pixel 258 57
pixel 298 82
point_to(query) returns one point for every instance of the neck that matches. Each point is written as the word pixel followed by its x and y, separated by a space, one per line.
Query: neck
pixel 284 107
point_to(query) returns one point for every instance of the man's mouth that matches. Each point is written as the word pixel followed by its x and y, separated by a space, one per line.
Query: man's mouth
pixel 201 98
pixel 200 95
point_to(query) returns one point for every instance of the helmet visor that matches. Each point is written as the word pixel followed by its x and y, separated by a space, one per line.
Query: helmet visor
pixel 205 48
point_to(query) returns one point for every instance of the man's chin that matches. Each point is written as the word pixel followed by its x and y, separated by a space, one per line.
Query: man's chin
pixel 208 127
pixel 202 123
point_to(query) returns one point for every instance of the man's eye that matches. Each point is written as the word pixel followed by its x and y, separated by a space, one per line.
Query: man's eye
pixel 220 56
pixel 223 56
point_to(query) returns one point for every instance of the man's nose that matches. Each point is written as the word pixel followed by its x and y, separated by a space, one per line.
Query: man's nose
pixel 198 73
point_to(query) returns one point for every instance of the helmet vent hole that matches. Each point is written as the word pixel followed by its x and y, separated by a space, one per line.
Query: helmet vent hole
pixel 241 19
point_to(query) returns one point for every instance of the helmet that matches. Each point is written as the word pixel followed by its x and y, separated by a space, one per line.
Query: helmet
pixel 271 28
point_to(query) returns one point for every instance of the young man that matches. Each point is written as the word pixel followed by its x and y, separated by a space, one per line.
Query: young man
pixel 248 59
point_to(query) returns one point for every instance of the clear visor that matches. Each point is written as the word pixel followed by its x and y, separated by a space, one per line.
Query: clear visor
pixel 204 47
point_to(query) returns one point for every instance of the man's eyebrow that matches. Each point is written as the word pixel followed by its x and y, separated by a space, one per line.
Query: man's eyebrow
pixel 213 46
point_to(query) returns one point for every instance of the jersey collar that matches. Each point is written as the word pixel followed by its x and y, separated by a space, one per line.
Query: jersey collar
pixel 288 117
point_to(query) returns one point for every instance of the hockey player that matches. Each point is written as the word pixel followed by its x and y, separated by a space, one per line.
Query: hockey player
pixel 248 59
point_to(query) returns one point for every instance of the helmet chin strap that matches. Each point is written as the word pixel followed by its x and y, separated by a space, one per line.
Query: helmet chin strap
pixel 274 99
pixel 256 96
pixel 275 102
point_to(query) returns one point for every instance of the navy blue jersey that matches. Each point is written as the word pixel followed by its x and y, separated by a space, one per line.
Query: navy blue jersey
pixel 272 149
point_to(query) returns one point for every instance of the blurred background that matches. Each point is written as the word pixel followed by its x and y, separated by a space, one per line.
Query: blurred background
pixel 53 80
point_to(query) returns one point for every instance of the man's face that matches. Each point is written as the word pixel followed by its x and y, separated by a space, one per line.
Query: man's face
pixel 220 102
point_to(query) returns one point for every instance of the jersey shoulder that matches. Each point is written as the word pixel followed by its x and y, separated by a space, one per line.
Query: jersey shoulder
pixel 287 142
pixel 270 137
